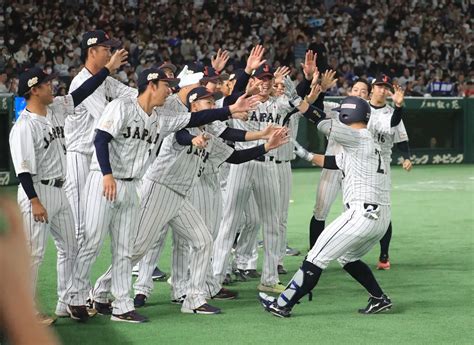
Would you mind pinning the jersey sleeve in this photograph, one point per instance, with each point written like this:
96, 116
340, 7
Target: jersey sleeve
116, 89
283, 104
63, 105
113, 118
173, 122
220, 151
400, 133
22, 148
340, 160
328, 109
216, 128
339, 132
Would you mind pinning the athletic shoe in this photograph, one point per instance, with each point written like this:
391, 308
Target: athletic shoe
78, 312
103, 308
260, 244
179, 300
131, 316
227, 280
282, 270
252, 273
46, 320
136, 270
376, 305
270, 305
158, 274
277, 288
292, 251
205, 309
384, 263
139, 300
240, 275
90, 308
225, 294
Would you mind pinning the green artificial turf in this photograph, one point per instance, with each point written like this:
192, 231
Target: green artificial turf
430, 283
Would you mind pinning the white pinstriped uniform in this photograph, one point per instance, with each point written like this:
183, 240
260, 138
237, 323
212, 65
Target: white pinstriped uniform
261, 178
37, 147
365, 181
136, 140
79, 133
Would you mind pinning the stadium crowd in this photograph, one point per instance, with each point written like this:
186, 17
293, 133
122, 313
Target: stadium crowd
425, 46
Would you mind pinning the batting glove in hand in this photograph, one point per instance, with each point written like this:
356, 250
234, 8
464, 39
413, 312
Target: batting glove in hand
301, 152
290, 92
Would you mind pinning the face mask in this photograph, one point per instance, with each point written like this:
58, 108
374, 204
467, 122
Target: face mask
70, 54
48, 70
142, 62
55, 83
11, 41
2, 42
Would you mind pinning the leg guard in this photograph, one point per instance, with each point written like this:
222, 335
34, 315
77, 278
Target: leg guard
304, 280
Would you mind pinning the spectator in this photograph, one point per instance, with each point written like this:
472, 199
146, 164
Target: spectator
3, 81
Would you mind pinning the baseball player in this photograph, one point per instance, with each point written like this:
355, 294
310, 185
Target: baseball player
79, 128
38, 154
360, 226
116, 205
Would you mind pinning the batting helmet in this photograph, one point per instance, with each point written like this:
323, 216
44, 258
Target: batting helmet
354, 109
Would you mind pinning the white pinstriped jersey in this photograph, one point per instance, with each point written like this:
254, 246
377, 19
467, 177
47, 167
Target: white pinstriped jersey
385, 135
37, 142
79, 128
365, 177
333, 147
137, 136
178, 167
286, 152
271, 111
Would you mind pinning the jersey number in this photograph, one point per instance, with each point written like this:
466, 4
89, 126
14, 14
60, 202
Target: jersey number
379, 169
381, 138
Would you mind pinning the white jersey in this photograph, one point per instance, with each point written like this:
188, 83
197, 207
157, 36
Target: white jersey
79, 128
365, 177
178, 167
286, 152
333, 147
37, 142
137, 136
385, 135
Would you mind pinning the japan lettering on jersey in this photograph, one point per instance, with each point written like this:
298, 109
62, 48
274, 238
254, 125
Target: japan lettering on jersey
177, 166
364, 172
37, 142
137, 136
79, 128
385, 135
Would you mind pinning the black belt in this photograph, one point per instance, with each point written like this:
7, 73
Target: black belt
53, 183
365, 205
263, 159
126, 179
279, 162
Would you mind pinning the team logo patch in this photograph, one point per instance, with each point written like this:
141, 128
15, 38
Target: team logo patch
25, 165
348, 106
33, 81
91, 41
107, 124
193, 97
152, 76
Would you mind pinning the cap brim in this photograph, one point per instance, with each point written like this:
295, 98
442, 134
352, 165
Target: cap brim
113, 43
381, 83
172, 82
216, 95
263, 75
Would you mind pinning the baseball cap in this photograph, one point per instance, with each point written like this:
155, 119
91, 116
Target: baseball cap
236, 74
31, 78
201, 93
353, 109
263, 71
383, 80
153, 74
211, 75
167, 65
96, 38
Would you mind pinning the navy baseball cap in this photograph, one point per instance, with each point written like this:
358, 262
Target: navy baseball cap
153, 74
211, 75
98, 38
353, 109
263, 71
195, 67
201, 93
383, 80
31, 78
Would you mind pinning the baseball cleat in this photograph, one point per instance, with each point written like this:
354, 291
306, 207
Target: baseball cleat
131, 317
292, 251
158, 274
139, 300
276, 288
270, 305
282, 270
179, 300
240, 275
252, 274
376, 305
225, 294
78, 312
90, 307
265, 299
103, 308
205, 309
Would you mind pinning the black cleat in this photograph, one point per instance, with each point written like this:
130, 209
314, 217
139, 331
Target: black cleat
270, 305
225, 294
131, 316
158, 274
139, 301
103, 308
281, 269
252, 274
240, 275
78, 312
179, 300
376, 305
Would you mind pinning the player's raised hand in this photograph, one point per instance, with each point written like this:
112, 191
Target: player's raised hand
328, 80
269, 130
244, 104
278, 138
39, 212
219, 61
254, 60
309, 65
118, 59
290, 92
200, 141
398, 95
407, 165
110, 187
314, 93
280, 73
254, 88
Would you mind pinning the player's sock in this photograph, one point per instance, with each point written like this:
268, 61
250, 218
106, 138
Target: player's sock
304, 280
316, 227
385, 243
362, 273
